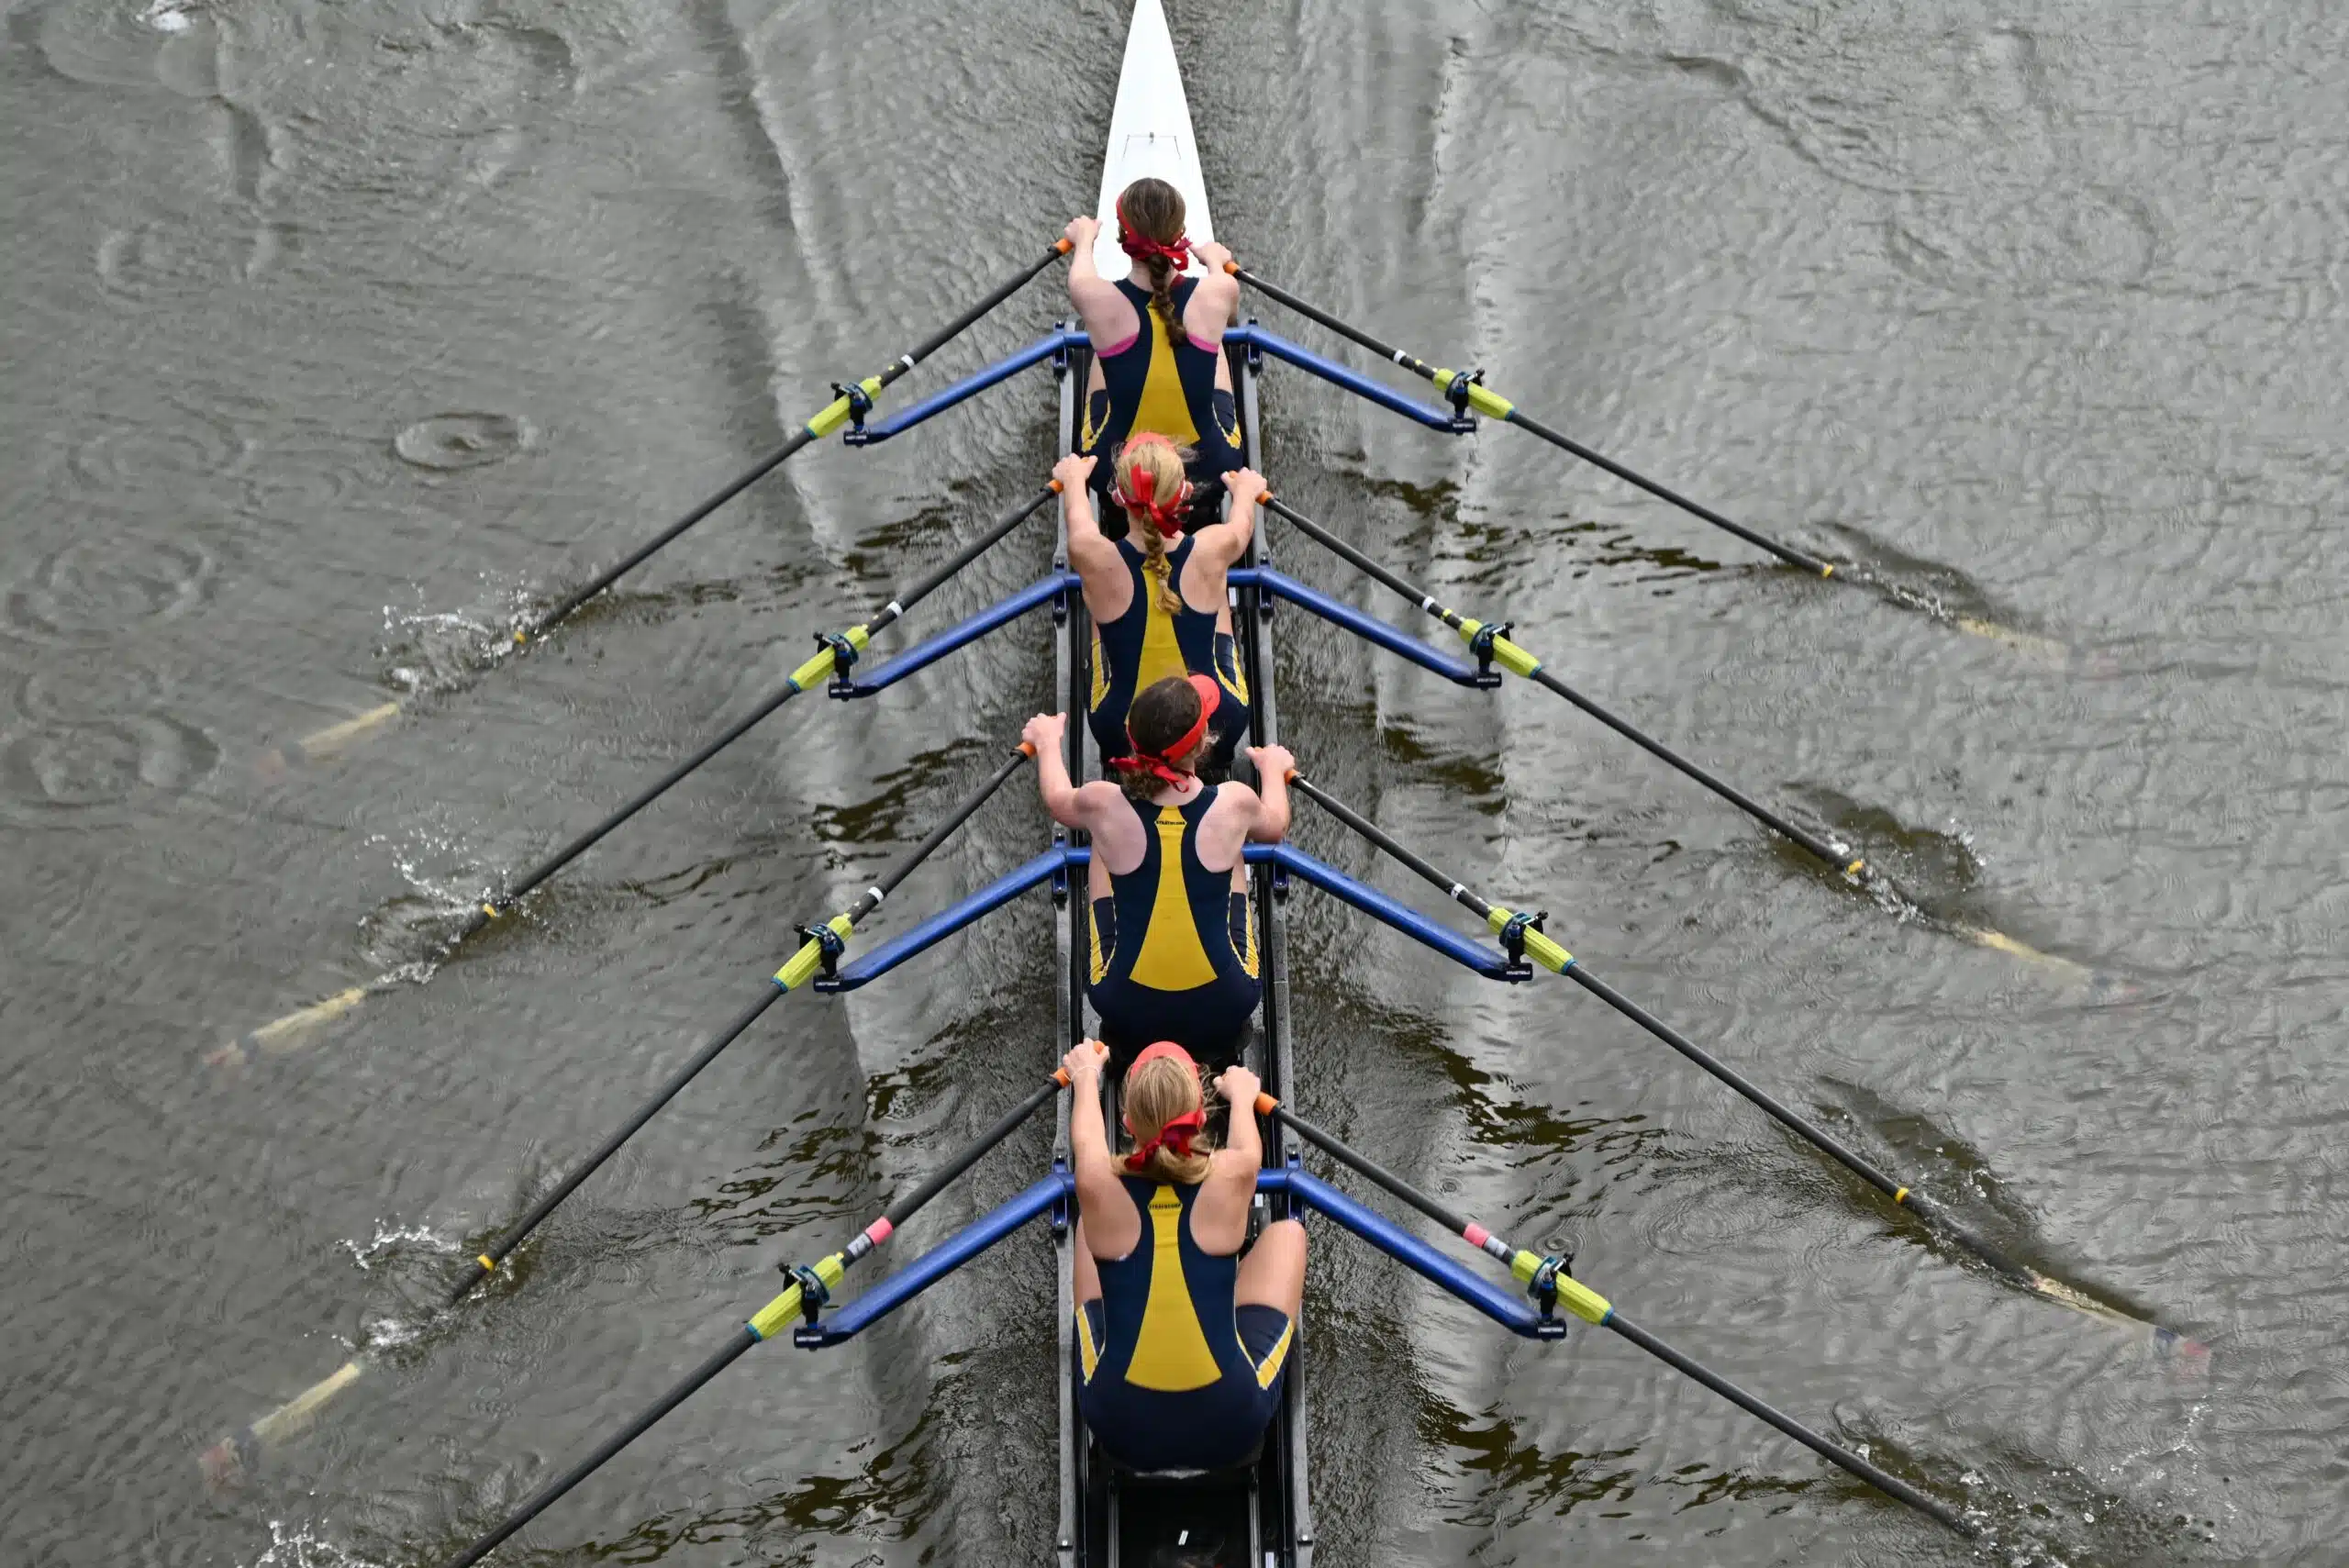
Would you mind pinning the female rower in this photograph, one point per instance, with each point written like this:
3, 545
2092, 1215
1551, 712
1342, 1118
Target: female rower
1181, 1343
1158, 361
1174, 938
1157, 596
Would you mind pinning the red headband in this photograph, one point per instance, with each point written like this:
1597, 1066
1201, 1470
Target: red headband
1176, 1137
1166, 515
1141, 247
1160, 765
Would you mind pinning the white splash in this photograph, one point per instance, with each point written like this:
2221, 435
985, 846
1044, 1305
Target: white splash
166, 16
387, 1237
303, 1548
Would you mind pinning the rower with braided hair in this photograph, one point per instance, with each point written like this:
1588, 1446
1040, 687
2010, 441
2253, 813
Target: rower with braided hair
1157, 334
1157, 597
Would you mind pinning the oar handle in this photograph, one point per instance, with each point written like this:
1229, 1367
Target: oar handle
1266, 1104
1060, 1074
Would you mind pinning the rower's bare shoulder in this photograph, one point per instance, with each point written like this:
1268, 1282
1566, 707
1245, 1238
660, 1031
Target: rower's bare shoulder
1099, 795
1235, 799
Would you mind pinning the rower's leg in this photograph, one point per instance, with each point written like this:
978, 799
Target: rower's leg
1273, 1274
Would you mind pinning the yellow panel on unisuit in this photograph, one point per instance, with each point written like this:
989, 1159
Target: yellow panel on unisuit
1170, 1353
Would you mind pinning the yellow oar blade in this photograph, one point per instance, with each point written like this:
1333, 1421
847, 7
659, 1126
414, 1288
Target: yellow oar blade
1999, 941
285, 1034
228, 1462
2044, 649
323, 745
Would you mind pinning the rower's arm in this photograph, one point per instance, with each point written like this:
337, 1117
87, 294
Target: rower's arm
1107, 319
1272, 797
1225, 542
1111, 1226
1061, 803
1089, 551
1220, 1214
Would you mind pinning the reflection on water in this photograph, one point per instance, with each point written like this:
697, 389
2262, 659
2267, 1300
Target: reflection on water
350, 336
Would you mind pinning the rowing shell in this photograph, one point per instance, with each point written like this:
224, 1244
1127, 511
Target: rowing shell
1257, 1513
1149, 134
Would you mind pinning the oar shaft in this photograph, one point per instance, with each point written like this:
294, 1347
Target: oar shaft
1012, 284
897, 873
1315, 314
825, 421
801, 965
1834, 1454
904, 600
1011, 517
1492, 404
1575, 971
1599, 459
1331, 1145
546, 1497
1467, 898
768, 996
650, 793
1810, 843
1793, 1122
569, 606
906, 1207
1358, 560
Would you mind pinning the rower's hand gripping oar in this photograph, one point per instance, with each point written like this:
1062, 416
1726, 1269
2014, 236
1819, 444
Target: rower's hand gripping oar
1466, 390
851, 403
1521, 935
811, 1287
239, 1450
1491, 645
835, 654
1551, 1284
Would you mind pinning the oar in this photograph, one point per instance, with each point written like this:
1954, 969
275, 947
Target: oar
826, 419
816, 669
772, 1319
232, 1453
1491, 642
1466, 390
1592, 1307
1460, 386
1523, 932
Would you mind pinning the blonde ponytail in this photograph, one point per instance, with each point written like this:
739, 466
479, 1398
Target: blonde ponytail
1163, 464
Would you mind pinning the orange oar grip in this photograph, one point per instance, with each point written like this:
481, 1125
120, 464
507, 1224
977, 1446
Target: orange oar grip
1289, 777
1054, 486
1026, 749
1233, 268
1264, 1104
1060, 1074
1064, 245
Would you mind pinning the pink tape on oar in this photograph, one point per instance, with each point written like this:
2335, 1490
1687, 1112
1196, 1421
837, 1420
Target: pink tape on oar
1476, 1234
880, 1230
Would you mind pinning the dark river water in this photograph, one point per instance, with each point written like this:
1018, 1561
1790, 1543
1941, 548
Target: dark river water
336, 335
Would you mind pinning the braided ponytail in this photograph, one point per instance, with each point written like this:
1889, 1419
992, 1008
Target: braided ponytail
1162, 294
1151, 210
1163, 464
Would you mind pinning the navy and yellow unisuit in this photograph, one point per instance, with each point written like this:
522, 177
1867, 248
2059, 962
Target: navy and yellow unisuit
1172, 1375
1146, 645
1164, 383
1174, 945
